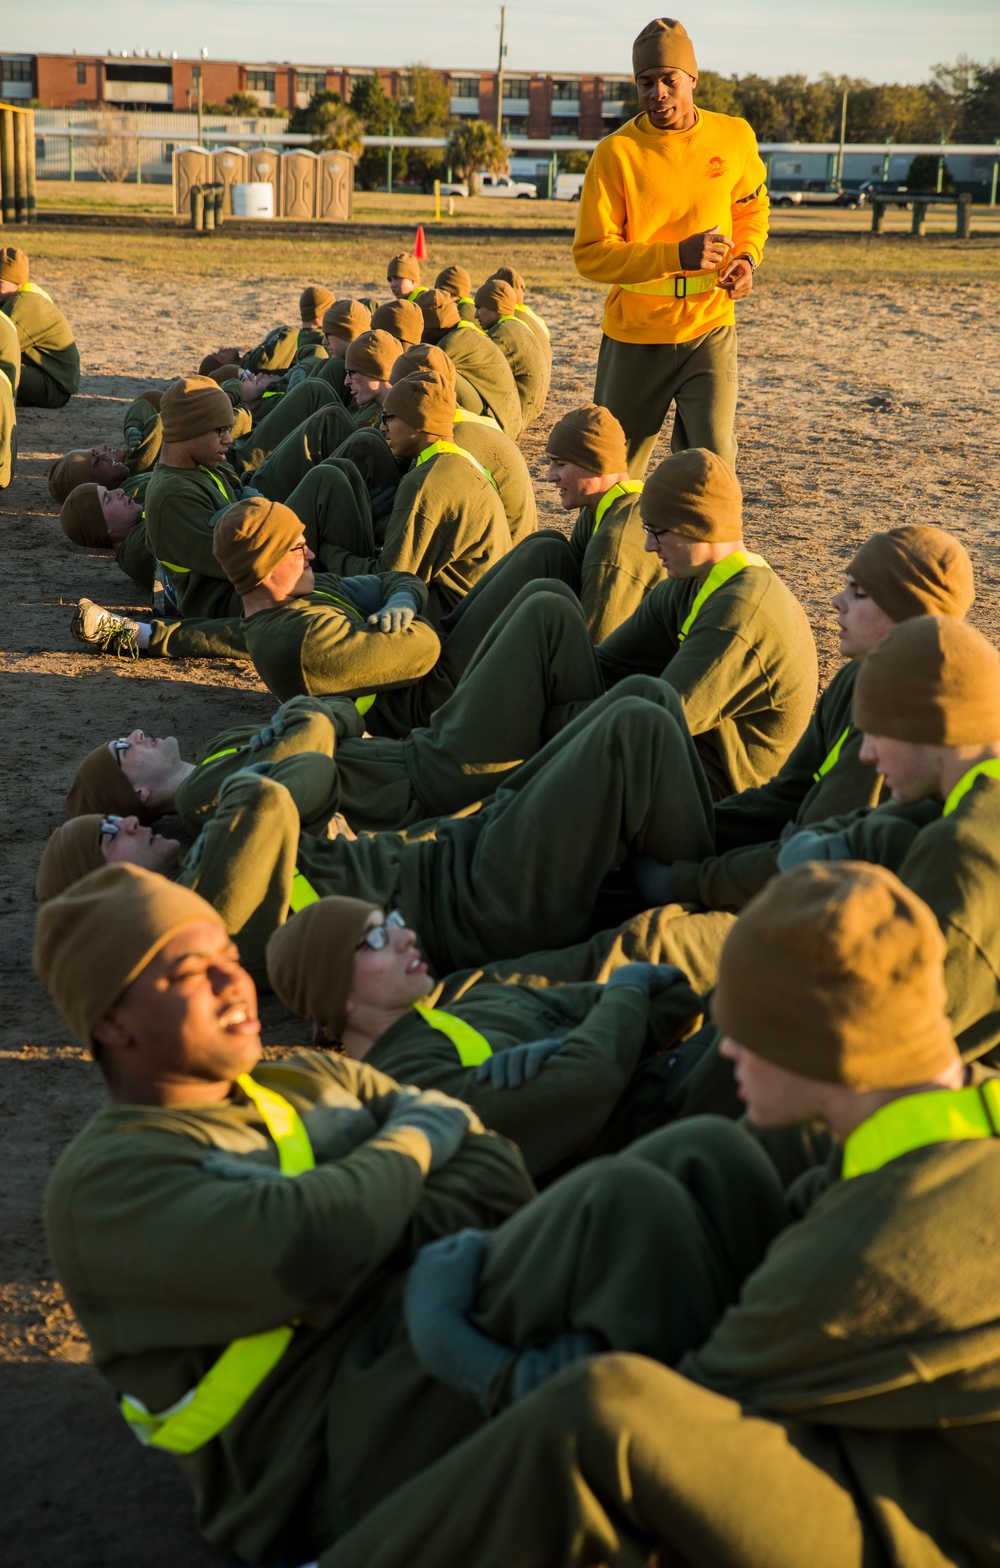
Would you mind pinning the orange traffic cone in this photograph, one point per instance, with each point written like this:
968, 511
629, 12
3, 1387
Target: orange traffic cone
420, 251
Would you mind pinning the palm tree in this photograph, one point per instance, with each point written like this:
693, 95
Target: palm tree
336, 128
474, 146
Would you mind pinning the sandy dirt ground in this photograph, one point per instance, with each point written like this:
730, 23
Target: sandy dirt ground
862, 407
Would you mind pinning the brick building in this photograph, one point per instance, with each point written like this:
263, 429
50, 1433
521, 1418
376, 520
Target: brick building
535, 104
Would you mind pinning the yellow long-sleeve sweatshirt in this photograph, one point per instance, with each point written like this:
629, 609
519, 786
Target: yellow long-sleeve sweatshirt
644, 192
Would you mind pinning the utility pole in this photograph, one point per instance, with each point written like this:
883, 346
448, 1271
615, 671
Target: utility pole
201, 133
843, 138
503, 51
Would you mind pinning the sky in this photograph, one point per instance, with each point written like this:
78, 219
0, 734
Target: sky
891, 40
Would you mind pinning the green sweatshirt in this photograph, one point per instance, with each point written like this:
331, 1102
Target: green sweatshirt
484, 367
319, 644
173, 1235
275, 353
746, 672
143, 436
182, 505
447, 527
519, 346
749, 825
502, 458
45, 336
10, 351
616, 570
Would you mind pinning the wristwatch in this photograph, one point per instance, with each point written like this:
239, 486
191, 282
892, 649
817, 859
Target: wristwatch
745, 257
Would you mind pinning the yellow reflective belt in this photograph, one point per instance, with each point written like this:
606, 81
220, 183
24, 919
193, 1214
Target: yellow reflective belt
627, 487
463, 417
676, 287
917, 1120
721, 572
472, 1047
32, 288
230, 751
832, 757
526, 310
220, 1395
990, 770
361, 703
459, 451
302, 893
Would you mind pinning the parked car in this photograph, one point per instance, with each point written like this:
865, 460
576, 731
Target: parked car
815, 194
568, 187
454, 188
888, 188
505, 185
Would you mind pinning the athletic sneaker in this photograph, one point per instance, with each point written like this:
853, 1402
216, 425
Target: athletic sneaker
110, 633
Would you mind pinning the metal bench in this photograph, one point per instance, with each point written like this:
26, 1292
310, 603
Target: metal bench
920, 203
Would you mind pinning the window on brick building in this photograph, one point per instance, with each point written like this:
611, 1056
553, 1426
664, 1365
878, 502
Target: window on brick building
309, 81
464, 87
81, 72
16, 70
566, 91
260, 81
516, 86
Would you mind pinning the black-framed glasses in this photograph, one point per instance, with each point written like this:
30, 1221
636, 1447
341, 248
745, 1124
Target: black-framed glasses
108, 828
119, 748
383, 421
655, 533
300, 549
378, 937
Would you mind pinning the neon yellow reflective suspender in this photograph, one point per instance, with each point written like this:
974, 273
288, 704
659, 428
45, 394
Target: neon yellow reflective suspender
302, 893
722, 571
221, 1394
832, 757
458, 451
917, 1120
472, 1047
526, 310
474, 325
361, 703
990, 770
229, 751
32, 288
186, 570
464, 417
627, 487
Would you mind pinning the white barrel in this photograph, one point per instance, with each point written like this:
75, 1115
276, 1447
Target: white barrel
253, 200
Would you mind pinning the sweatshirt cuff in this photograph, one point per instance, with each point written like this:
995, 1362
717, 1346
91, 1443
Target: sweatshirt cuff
685, 877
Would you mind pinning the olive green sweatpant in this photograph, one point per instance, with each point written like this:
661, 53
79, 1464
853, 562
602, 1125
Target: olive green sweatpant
621, 1462
287, 413
37, 390
310, 443
639, 381
369, 452
197, 640
543, 557
8, 432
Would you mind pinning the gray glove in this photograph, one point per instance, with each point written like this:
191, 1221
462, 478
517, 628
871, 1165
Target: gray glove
443, 1121
650, 979
652, 878
395, 615
270, 733
807, 845
510, 1069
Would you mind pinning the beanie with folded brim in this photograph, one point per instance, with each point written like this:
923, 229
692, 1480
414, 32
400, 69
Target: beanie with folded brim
496, 295
404, 265
81, 518
403, 318
250, 539
915, 570
192, 406
347, 319
100, 785
73, 849
422, 356
426, 401
151, 395
934, 681
455, 281
314, 301
310, 960
663, 45
438, 309
513, 277
74, 468
836, 972
96, 937
373, 354
224, 374
590, 437
209, 363
695, 494
14, 265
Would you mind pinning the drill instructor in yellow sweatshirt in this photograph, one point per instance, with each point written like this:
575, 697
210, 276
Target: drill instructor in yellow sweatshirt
673, 216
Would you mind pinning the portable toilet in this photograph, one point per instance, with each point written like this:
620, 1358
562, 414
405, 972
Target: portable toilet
191, 166
263, 167
298, 183
229, 169
335, 186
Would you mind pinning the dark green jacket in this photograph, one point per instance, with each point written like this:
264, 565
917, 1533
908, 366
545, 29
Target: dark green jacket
482, 364
501, 457
182, 507
519, 346
143, 436
45, 336
616, 570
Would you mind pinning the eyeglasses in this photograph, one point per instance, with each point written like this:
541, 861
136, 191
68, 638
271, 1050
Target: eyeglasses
383, 421
655, 533
108, 828
301, 548
119, 748
378, 937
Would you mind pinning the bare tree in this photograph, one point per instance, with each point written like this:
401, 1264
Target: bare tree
112, 151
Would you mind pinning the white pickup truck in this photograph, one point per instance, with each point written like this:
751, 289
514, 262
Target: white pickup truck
816, 194
493, 185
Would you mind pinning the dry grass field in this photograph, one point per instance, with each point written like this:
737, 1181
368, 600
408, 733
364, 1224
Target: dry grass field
870, 396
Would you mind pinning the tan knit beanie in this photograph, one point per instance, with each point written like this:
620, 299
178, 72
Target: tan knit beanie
373, 354
422, 355
438, 309
403, 318
13, 265
75, 468
454, 281
250, 539
426, 401
81, 518
209, 363
192, 406
94, 940
99, 784
934, 681
314, 300
404, 265
223, 374
497, 295
836, 971
347, 318
151, 395
310, 960
73, 849
663, 43
591, 437
915, 570
513, 277
696, 494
